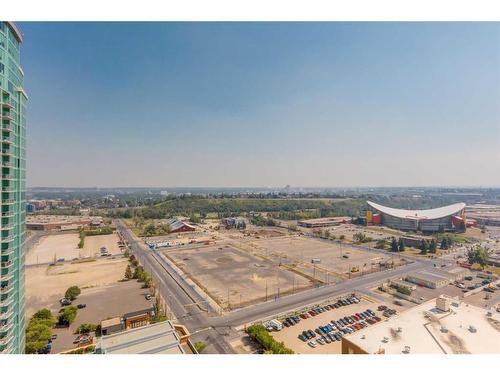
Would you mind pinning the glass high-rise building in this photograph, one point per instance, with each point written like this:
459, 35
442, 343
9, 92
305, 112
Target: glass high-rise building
13, 195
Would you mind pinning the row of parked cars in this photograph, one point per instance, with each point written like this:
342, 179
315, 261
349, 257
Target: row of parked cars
335, 329
387, 312
292, 320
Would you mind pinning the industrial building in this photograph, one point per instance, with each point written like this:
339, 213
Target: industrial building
59, 222
159, 338
437, 278
443, 219
443, 325
324, 222
13, 100
178, 226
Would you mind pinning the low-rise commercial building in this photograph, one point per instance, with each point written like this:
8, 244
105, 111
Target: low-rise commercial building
159, 338
324, 222
437, 278
59, 222
439, 326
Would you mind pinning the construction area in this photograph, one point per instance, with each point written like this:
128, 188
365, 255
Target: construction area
234, 278
64, 247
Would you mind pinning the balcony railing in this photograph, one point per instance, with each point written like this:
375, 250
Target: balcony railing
8, 201
8, 226
8, 214
6, 290
6, 240
7, 302
5, 328
6, 340
7, 116
8, 140
8, 103
8, 177
7, 152
6, 315
7, 164
7, 127
7, 189
8, 251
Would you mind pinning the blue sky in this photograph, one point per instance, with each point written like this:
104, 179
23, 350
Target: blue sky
256, 104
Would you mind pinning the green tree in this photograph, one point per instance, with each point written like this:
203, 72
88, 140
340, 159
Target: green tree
342, 237
424, 246
38, 333
138, 273
200, 346
401, 244
86, 328
43, 314
72, 292
67, 316
128, 272
433, 246
477, 254
381, 244
394, 245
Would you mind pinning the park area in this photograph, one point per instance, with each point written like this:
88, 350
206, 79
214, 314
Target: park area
64, 247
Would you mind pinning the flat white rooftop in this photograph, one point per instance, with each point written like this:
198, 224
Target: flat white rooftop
433, 213
159, 338
421, 328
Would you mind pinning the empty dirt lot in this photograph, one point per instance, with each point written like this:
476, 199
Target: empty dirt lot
65, 246
45, 285
336, 259
224, 271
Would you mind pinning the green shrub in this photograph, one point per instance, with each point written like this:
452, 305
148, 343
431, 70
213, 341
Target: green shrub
39, 331
200, 346
259, 333
86, 328
67, 316
72, 292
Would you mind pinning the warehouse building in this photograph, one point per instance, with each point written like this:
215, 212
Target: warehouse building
440, 326
324, 222
437, 278
178, 226
447, 219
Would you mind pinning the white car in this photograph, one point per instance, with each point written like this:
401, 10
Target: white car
312, 344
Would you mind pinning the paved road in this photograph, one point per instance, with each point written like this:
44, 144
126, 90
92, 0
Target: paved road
188, 307
177, 294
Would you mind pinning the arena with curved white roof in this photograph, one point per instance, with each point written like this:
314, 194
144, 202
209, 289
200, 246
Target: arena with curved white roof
447, 218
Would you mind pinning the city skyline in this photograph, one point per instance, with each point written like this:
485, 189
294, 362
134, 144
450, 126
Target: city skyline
262, 104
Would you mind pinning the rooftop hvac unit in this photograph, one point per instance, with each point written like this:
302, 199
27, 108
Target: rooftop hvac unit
385, 340
400, 329
406, 350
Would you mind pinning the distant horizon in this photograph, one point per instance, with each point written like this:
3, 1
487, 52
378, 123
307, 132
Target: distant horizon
262, 104
274, 187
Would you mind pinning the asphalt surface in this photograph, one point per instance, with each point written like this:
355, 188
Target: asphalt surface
179, 296
190, 309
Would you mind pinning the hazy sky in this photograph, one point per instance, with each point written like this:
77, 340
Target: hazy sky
253, 104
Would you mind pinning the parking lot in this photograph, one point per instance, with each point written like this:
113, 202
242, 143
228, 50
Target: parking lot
46, 284
101, 303
290, 335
